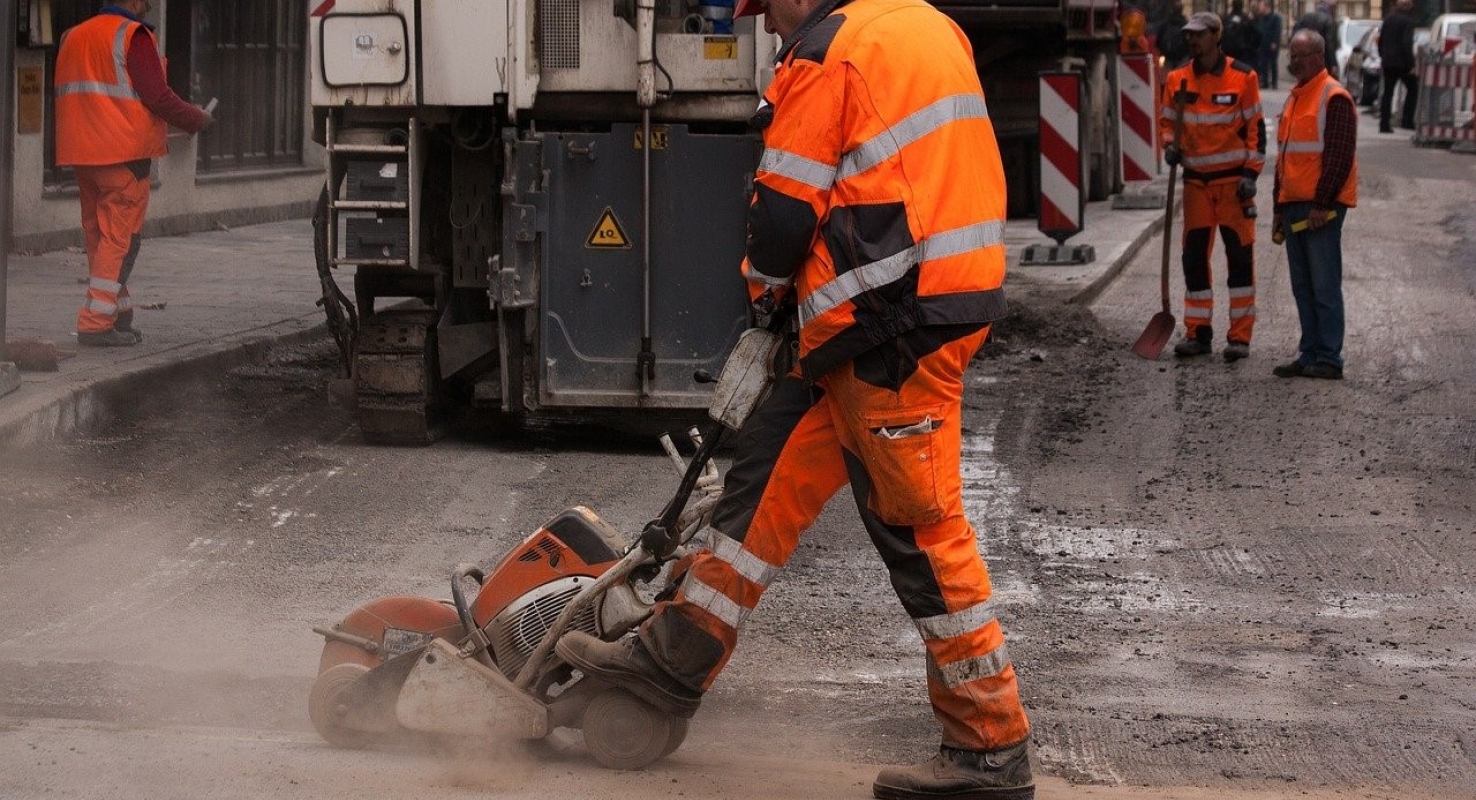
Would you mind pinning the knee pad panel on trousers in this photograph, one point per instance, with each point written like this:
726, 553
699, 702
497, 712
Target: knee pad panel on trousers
686, 650
1239, 258
1197, 245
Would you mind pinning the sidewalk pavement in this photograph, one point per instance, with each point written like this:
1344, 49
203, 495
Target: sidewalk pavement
210, 301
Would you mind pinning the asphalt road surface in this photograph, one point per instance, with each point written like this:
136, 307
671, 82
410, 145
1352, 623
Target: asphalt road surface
1215, 582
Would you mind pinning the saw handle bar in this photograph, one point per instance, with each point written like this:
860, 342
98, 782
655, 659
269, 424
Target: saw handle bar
690, 522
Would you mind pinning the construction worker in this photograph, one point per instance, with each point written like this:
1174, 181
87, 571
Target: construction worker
1316, 184
878, 211
112, 104
1216, 100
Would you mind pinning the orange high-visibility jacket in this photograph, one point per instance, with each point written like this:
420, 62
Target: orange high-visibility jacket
1299, 139
99, 117
1224, 128
880, 197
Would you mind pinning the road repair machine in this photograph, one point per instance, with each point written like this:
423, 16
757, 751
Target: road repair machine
543, 202
485, 669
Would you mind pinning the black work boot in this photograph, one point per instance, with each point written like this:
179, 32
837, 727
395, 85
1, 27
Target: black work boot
1197, 346
626, 663
1002, 774
113, 338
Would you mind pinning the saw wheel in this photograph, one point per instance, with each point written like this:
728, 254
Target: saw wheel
622, 732
397, 384
329, 712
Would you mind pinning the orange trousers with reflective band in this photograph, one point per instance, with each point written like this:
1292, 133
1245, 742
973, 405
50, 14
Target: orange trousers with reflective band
1207, 207
114, 202
899, 448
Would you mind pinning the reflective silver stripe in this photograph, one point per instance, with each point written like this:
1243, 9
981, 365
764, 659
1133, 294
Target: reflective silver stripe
767, 280
972, 669
1247, 311
716, 603
1170, 113
1197, 313
1252, 112
913, 127
1221, 118
1243, 291
1207, 294
796, 167
880, 273
947, 626
1227, 157
121, 87
105, 285
730, 552
101, 306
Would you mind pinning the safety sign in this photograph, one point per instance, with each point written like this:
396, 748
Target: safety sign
607, 233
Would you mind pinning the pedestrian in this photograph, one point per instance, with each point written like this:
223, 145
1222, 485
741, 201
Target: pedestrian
1316, 184
1397, 57
879, 209
1242, 39
112, 106
1323, 19
1169, 36
1222, 149
1268, 58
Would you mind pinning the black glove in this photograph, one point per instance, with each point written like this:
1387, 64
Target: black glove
1172, 155
1247, 189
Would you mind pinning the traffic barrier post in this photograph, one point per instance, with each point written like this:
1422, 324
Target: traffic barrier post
1443, 114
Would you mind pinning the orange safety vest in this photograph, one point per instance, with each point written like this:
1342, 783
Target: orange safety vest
880, 197
1223, 122
1300, 141
99, 117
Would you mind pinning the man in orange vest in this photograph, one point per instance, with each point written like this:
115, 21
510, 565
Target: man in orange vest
1316, 184
878, 212
1216, 103
112, 105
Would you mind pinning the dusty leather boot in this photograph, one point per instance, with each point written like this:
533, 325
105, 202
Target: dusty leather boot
1002, 774
625, 663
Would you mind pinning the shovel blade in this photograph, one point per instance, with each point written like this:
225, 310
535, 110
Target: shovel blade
1155, 336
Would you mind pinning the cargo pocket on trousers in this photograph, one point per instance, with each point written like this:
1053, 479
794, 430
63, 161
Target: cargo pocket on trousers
900, 450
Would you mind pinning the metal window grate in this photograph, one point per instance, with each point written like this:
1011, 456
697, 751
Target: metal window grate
250, 55
558, 34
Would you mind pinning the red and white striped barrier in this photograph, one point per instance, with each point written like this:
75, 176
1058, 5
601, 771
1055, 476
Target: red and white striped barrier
1135, 128
1062, 169
1447, 94
1062, 199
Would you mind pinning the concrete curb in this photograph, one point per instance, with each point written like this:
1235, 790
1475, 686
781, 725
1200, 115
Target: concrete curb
49, 415
1094, 289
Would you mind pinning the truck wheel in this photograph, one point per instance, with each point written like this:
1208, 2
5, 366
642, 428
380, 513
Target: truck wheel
623, 732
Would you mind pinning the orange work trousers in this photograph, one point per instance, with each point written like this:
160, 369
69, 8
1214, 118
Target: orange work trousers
114, 202
1208, 206
888, 424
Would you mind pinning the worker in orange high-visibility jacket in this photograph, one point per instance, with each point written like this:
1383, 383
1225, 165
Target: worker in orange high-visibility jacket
1222, 150
878, 212
112, 105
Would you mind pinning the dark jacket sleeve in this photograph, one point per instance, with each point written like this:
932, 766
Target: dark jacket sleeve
146, 72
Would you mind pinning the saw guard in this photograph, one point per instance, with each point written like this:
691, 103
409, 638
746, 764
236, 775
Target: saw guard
449, 695
746, 377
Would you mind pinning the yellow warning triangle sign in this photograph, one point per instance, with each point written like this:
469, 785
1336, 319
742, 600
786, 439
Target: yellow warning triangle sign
607, 233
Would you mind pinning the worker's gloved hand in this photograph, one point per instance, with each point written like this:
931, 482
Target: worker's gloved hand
1247, 189
1172, 155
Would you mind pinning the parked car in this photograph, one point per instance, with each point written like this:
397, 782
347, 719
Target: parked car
1363, 74
1349, 32
1453, 37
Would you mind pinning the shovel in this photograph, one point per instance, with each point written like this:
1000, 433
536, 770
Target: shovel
1161, 327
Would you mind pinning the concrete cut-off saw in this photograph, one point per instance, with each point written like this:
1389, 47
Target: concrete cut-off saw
485, 668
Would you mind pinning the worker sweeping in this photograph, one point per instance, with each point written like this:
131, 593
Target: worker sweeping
879, 210
112, 106
1222, 150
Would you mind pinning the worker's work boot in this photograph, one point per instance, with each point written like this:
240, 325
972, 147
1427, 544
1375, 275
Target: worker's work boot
1199, 345
1234, 351
113, 338
626, 663
961, 775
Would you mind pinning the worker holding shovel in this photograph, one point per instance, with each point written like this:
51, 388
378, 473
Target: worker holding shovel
1222, 147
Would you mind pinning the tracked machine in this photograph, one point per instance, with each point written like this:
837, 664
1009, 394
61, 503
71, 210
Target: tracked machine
541, 202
